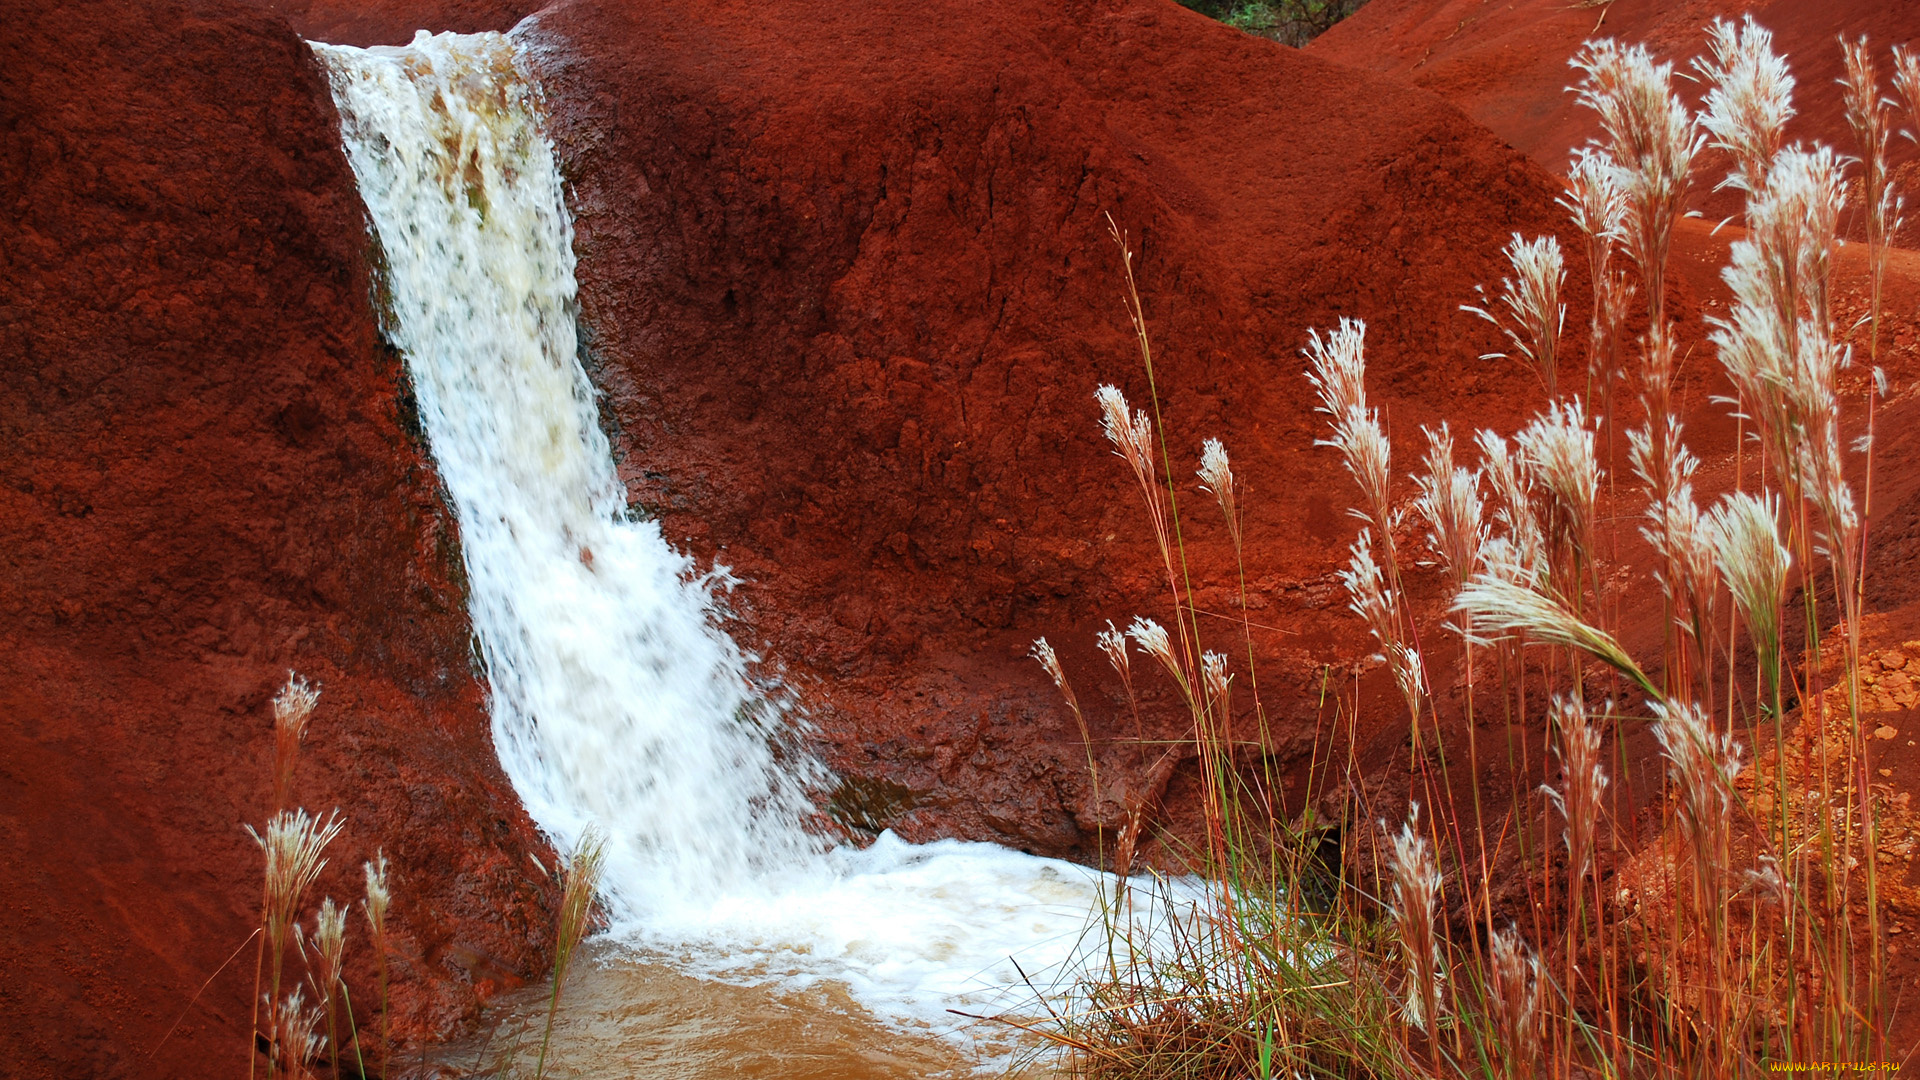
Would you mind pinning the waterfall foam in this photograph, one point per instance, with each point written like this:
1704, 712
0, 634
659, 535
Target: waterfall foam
616, 700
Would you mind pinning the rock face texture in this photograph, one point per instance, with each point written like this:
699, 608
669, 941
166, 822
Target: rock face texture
849, 290
209, 478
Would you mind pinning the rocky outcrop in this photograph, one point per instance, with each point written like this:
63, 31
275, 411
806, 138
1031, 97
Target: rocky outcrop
849, 290
210, 477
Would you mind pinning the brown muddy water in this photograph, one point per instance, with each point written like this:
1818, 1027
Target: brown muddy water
625, 1016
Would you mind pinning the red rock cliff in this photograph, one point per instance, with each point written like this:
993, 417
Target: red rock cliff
210, 478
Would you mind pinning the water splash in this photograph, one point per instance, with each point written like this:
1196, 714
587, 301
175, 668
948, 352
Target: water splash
616, 700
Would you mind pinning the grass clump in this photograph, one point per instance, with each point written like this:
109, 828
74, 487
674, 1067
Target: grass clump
1745, 930
580, 878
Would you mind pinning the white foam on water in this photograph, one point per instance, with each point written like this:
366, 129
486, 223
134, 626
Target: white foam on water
616, 700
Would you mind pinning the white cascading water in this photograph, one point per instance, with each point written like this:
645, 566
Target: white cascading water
616, 700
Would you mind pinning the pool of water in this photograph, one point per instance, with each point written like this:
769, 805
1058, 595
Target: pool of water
625, 1015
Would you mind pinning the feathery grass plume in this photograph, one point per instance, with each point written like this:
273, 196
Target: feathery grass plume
1799, 215
1151, 638
1216, 477
1753, 561
1131, 433
1867, 116
1513, 987
1531, 298
1042, 652
1749, 99
1213, 676
1557, 451
292, 708
1598, 207
580, 876
1679, 532
1449, 502
293, 844
1415, 891
1515, 507
1776, 339
1906, 80
1501, 607
1370, 598
1822, 463
379, 897
330, 946
1612, 303
1582, 784
1594, 198
1650, 136
1768, 883
1376, 601
1702, 764
1114, 644
295, 1040
1777, 342
1337, 369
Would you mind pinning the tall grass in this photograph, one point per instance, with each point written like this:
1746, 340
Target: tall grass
294, 844
1745, 930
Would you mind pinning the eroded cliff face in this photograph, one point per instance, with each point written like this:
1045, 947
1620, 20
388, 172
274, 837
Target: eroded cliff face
210, 477
849, 291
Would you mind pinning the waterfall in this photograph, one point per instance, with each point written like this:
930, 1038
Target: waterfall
616, 699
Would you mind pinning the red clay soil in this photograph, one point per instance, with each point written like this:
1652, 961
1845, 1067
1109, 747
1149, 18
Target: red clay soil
849, 291
210, 478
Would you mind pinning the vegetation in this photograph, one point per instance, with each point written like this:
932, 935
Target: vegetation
1746, 930
581, 877
294, 844
1291, 22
